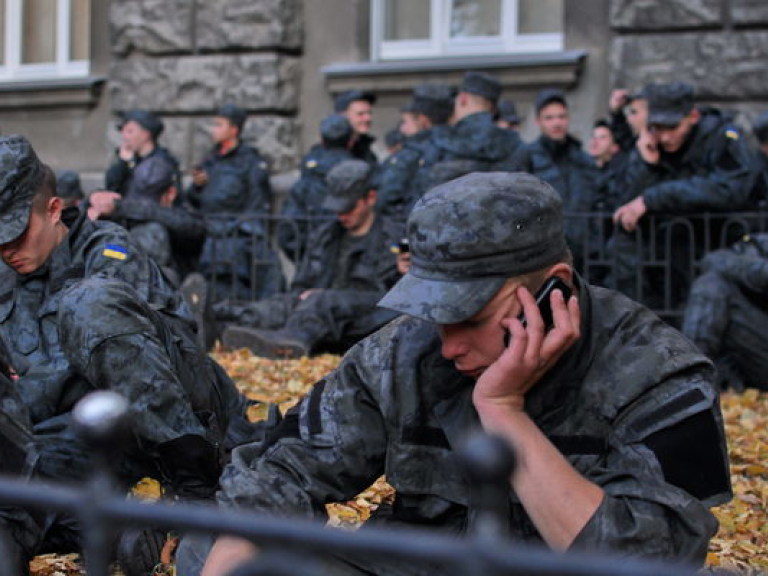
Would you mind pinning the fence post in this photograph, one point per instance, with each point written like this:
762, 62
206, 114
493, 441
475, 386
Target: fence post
101, 419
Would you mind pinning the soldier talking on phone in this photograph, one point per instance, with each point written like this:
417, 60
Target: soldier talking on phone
612, 413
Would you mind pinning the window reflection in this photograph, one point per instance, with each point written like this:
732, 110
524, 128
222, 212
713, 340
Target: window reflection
39, 31
475, 18
407, 20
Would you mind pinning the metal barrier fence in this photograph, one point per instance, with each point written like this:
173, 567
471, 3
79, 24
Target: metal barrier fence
291, 547
655, 264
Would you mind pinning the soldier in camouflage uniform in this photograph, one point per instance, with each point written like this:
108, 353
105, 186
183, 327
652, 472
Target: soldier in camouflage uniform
759, 195
137, 154
357, 107
474, 142
558, 158
81, 309
727, 312
166, 228
233, 181
687, 160
304, 203
333, 297
612, 413
428, 112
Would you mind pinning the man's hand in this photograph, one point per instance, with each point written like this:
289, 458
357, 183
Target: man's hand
619, 98
307, 293
125, 153
228, 553
403, 262
102, 203
629, 215
648, 147
199, 177
531, 353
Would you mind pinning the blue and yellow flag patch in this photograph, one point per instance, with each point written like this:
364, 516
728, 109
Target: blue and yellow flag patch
115, 251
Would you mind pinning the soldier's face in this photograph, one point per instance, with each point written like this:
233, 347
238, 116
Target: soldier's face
223, 130
409, 123
134, 137
477, 342
32, 249
553, 121
357, 220
360, 116
671, 138
602, 146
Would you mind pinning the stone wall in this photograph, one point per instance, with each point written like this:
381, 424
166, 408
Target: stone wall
184, 58
719, 46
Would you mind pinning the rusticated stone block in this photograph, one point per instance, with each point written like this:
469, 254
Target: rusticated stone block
257, 82
665, 14
749, 11
151, 26
719, 65
223, 24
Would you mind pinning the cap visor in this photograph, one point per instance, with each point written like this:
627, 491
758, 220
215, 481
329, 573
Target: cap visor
14, 220
338, 205
666, 119
440, 301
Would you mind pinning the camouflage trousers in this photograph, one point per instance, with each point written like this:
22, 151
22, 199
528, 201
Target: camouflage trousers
329, 319
729, 325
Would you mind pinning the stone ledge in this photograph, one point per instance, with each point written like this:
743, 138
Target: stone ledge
66, 93
560, 69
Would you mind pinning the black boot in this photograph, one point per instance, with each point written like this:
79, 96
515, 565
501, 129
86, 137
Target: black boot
277, 344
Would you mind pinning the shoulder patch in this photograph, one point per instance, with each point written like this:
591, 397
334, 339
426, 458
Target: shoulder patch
732, 134
115, 251
311, 164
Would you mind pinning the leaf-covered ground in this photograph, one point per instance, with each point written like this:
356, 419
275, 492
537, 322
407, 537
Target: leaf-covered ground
740, 545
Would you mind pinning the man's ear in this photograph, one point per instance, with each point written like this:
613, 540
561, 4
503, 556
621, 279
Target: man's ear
54, 208
371, 197
694, 116
563, 271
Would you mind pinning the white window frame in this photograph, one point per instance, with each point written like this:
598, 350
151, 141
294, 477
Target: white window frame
14, 70
440, 44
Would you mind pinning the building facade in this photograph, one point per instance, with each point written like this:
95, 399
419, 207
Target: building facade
69, 67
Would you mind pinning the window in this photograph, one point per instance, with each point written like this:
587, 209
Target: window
44, 39
433, 28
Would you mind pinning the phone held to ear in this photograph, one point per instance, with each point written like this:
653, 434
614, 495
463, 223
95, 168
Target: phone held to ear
544, 302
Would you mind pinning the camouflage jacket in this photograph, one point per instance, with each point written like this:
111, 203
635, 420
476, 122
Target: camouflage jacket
238, 182
369, 266
631, 406
712, 171
30, 309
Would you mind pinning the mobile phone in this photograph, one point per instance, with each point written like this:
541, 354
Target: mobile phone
543, 301
404, 246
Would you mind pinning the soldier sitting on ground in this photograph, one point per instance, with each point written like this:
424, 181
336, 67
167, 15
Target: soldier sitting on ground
83, 308
68, 188
165, 227
727, 312
613, 414
346, 270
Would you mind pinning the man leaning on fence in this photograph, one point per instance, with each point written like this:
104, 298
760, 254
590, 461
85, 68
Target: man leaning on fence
612, 413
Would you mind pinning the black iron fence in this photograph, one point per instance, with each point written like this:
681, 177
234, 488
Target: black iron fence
249, 256
291, 547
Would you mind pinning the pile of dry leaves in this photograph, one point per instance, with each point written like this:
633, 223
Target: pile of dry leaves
741, 544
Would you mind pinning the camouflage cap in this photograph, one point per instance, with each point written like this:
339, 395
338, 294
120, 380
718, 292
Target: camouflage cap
435, 101
236, 115
335, 129
152, 178
21, 174
547, 96
508, 111
481, 84
669, 103
347, 182
145, 119
469, 235
68, 185
344, 99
